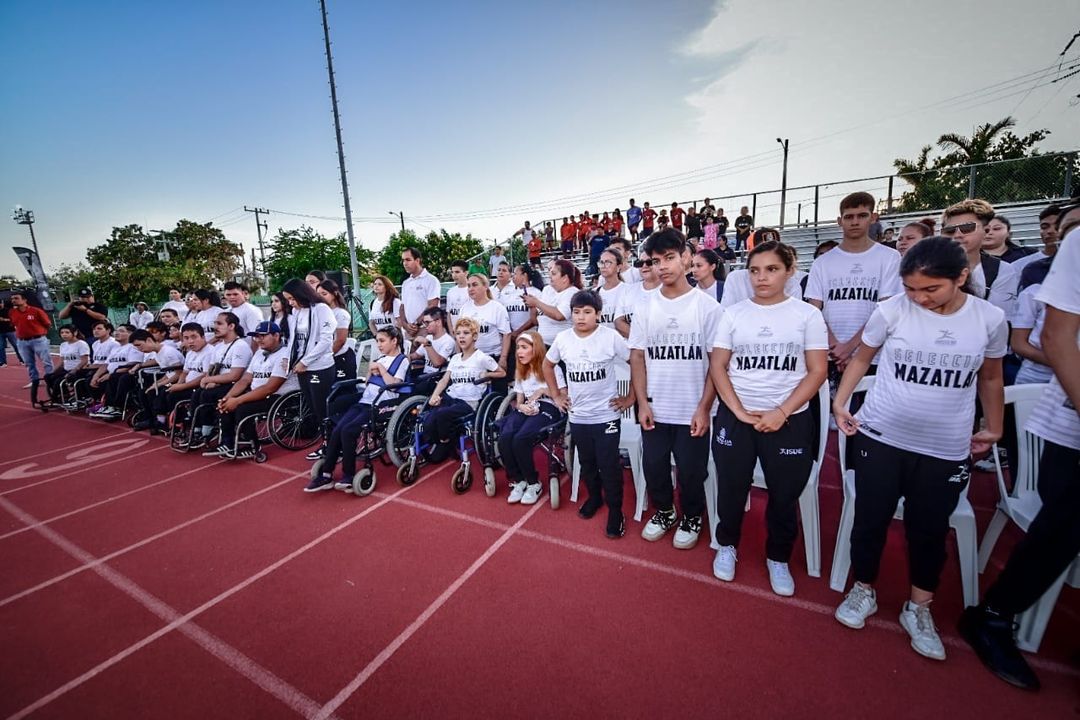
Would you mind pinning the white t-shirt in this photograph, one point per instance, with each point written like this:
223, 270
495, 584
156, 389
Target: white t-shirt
1030, 315
590, 372
380, 319
140, 319
445, 346
250, 316
494, 323
464, 371
417, 291
737, 287
456, 297
636, 296
179, 306
768, 345
344, 321
229, 355
265, 365
547, 327
316, 350
103, 350
1019, 264
496, 260
849, 285
372, 389
126, 354
923, 399
1004, 290
531, 384
166, 357
196, 364
676, 337
1055, 418
206, 318
612, 302
514, 302
631, 275
72, 352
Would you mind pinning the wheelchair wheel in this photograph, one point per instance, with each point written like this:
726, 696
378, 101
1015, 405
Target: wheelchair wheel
407, 473
461, 480
553, 486
400, 430
135, 418
178, 431
364, 482
489, 482
486, 434
316, 469
292, 424
259, 457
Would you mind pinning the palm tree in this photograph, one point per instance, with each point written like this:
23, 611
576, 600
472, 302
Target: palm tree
975, 149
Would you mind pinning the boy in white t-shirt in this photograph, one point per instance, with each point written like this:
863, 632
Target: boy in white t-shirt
457, 296
670, 340
161, 366
197, 362
589, 352
74, 358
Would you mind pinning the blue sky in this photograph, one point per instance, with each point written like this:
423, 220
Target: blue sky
119, 112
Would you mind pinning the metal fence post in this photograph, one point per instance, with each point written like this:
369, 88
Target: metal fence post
888, 203
1069, 160
971, 182
753, 210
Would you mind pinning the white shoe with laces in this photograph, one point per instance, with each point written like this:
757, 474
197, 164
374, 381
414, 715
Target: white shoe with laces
723, 565
859, 604
532, 494
780, 578
920, 626
516, 491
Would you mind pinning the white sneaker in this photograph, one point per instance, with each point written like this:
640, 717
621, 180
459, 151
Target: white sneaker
723, 565
532, 494
686, 535
658, 525
920, 626
780, 578
516, 491
859, 604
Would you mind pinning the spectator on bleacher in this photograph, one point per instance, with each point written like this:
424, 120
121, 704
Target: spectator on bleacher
722, 221
619, 224
497, 258
175, 303
988, 278
711, 233
553, 304
887, 238
677, 214
633, 218
598, 242
744, 224
314, 277
7, 335
648, 222
1052, 540
568, 235
694, 229
209, 304
723, 250
31, 332
140, 316
998, 241
419, 291
83, 312
236, 297
707, 207
279, 311
503, 281
912, 233
535, 248
927, 461
709, 271
344, 347
1048, 234
663, 222
311, 341
549, 234
476, 266
824, 247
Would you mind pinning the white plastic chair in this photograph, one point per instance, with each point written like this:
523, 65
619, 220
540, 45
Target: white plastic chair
962, 521
368, 348
809, 506
1021, 506
629, 440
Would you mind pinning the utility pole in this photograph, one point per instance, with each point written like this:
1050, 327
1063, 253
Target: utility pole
341, 153
260, 228
163, 253
783, 181
399, 214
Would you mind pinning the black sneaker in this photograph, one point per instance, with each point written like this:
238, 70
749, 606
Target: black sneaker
438, 453
141, 425
590, 506
323, 482
993, 639
317, 454
659, 524
245, 454
616, 524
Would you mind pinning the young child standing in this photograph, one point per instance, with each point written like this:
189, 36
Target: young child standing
589, 351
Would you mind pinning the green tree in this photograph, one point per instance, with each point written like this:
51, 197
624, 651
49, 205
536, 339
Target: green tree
128, 267
438, 248
10, 282
68, 279
296, 252
949, 178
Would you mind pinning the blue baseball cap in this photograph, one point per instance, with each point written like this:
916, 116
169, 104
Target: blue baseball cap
267, 327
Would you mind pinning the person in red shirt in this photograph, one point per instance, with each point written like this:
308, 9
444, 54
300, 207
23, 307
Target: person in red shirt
31, 333
607, 224
535, 246
585, 226
568, 234
617, 223
648, 221
677, 216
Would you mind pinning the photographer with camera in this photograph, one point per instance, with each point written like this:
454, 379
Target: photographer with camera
84, 313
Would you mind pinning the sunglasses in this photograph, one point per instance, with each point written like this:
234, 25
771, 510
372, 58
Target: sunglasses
643, 263
962, 228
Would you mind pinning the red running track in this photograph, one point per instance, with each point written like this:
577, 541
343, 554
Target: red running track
136, 582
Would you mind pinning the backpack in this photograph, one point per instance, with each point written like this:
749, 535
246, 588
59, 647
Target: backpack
990, 266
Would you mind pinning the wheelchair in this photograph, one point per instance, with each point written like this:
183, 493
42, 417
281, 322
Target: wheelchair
289, 424
554, 441
371, 444
75, 394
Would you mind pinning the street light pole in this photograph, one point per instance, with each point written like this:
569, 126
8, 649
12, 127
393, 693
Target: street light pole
26, 217
783, 181
400, 214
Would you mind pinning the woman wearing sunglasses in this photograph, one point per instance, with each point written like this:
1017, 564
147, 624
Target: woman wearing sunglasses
636, 295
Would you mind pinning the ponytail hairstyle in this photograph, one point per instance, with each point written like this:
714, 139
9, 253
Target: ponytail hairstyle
335, 292
486, 282
924, 226
784, 252
570, 270
304, 295
719, 268
535, 278
937, 257
232, 319
394, 334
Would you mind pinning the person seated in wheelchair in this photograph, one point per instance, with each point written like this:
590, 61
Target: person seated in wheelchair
197, 362
268, 376
101, 348
231, 356
74, 357
432, 348
161, 367
521, 429
386, 372
461, 385
115, 379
